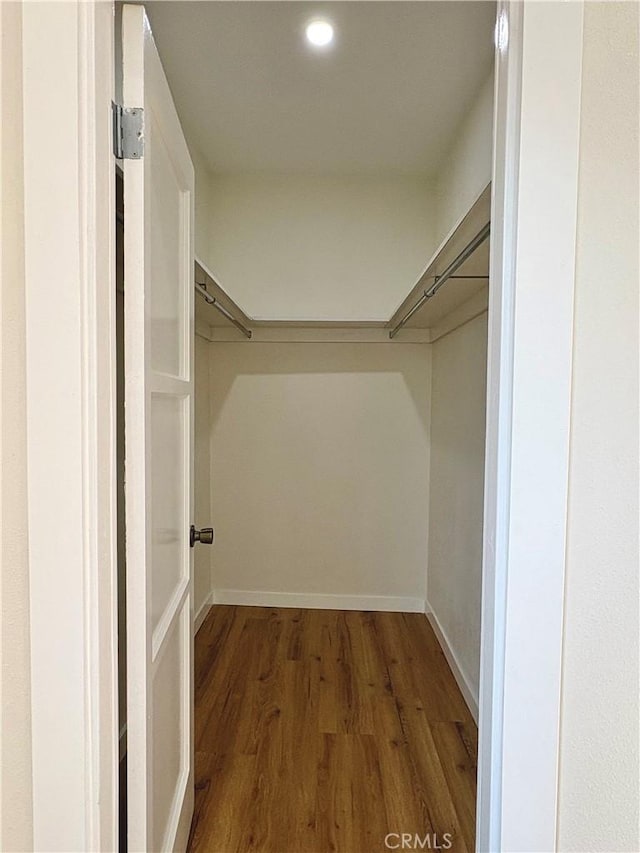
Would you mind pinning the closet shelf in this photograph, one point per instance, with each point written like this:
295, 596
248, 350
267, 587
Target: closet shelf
457, 273
220, 307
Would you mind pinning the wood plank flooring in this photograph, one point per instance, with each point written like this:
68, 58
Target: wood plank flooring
320, 730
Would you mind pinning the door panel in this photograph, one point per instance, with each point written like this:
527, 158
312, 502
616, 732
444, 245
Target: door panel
168, 498
169, 214
171, 758
158, 200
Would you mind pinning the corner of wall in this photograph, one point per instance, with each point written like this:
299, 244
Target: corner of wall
203, 185
463, 681
465, 170
210, 355
202, 451
428, 349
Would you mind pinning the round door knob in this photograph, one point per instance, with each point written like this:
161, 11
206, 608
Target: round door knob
204, 536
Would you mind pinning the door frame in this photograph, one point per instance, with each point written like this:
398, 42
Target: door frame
533, 250
71, 404
69, 232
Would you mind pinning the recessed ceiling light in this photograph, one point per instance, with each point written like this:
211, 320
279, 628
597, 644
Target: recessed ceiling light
319, 33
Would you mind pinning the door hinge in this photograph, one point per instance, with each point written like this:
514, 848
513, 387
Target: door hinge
128, 132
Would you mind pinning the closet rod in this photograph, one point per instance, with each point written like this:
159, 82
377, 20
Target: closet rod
202, 290
466, 253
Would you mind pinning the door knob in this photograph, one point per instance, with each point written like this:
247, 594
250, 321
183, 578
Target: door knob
204, 536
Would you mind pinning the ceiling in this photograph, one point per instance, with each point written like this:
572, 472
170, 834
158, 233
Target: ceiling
386, 98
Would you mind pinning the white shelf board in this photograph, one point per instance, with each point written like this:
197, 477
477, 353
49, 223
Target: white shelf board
456, 291
208, 315
453, 294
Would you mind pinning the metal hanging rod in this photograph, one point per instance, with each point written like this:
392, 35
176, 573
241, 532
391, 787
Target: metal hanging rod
448, 273
202, 290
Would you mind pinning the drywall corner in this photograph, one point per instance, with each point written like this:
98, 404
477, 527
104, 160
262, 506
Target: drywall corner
464, 682
202, 612
466, 169
203, 189
202, 458
429, 373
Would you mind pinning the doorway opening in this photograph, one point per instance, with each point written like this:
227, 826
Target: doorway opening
337, 358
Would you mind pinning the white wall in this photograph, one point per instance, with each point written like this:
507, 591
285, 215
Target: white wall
466, 170
202, 476
458, 405
336, 248
323, 248
320, 469
599, 764
202, 205
16, 823
344, 247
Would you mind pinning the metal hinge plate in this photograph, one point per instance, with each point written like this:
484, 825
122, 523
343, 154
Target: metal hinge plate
128, 132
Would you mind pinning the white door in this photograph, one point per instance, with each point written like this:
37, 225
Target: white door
158, 203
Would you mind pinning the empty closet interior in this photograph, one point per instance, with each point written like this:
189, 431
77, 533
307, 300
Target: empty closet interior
341, 276
342, 462
341, 287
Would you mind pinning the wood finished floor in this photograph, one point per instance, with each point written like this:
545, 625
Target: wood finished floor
321, 731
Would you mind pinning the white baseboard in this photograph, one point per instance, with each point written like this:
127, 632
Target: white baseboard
201, 615
459, 674
319, 601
